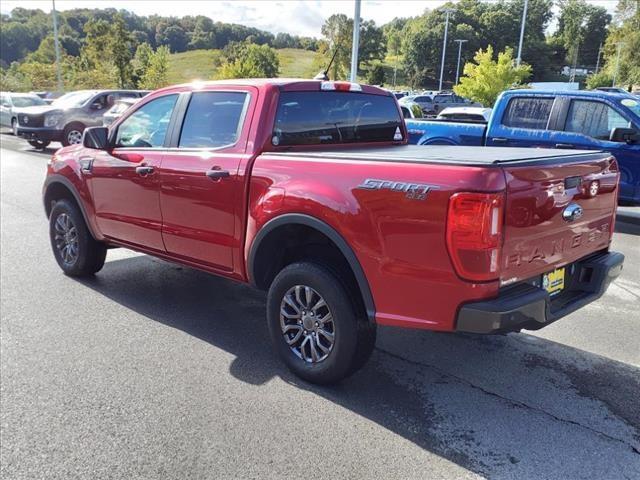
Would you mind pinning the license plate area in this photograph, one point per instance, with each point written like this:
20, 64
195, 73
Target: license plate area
554, 282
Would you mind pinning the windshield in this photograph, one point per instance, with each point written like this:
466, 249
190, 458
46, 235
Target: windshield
27, 101
632, 104
313, 118
73, 99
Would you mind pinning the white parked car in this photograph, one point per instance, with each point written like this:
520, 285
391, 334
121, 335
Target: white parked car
10, 101
465, 114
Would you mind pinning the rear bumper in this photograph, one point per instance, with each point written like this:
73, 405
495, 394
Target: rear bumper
40, 133
530, 307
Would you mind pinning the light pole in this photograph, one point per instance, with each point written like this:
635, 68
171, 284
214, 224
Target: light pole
524, 20
460, 42
615, 74
356, 43
598, 61
57, 46
447, 12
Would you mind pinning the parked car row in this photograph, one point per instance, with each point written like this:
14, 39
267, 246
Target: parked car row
66, 118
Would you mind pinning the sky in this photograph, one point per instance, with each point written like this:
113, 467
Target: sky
290, 16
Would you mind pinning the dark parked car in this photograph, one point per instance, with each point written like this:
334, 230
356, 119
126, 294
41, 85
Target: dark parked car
66, 118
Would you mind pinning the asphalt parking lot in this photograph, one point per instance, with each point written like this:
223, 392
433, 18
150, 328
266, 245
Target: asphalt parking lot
151, 370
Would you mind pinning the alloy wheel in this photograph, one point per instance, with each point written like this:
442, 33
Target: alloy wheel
307, 324
74, 137
66, 239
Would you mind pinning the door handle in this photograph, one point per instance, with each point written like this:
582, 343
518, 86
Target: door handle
564, 145
216, 174
144, 170
86, 164
499, 140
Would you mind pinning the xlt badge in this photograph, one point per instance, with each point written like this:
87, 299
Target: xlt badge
413, 191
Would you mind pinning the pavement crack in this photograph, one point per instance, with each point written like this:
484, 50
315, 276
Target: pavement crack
627, 290
514, 402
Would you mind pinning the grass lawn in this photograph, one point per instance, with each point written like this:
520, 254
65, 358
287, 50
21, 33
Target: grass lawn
202, 64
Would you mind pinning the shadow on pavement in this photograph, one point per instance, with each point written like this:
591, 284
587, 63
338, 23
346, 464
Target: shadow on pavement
426, 387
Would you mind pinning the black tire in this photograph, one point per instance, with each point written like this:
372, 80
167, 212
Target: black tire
89, 254
354, 337
14, 126
39, 144
72, 134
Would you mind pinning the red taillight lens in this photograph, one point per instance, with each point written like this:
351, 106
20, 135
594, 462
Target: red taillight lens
474, 234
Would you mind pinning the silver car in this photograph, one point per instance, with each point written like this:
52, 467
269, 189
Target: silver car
66, 118
10, 101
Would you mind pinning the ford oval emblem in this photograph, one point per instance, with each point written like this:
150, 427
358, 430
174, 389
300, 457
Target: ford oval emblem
572, 212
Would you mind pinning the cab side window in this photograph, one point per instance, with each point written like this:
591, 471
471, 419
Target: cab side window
148, 125
532, 113
213, 119
593, 119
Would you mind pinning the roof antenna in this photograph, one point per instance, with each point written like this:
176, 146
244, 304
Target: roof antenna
324, 75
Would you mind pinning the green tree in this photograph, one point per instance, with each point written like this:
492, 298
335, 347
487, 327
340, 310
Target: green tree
485, 79
250, 61
120, 47
141, 62
375, 76
156, 74
625, 37
600, 79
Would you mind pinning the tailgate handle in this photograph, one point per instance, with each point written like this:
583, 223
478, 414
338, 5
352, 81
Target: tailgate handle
564, 145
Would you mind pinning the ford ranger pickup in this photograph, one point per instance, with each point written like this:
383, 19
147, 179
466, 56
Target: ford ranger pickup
590, 120
308, 190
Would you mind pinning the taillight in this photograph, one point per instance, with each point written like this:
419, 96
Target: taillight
341, 86
474, 234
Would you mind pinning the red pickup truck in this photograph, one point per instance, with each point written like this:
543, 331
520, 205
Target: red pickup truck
307, 189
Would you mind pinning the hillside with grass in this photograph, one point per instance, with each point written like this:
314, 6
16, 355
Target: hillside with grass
203, 64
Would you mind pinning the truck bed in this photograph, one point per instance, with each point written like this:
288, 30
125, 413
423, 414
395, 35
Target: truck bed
452, 155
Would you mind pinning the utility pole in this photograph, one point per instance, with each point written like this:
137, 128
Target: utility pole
598, 61
356, 43
460, 42
524, 20
615, 74
447, 12
572, 77
57, 46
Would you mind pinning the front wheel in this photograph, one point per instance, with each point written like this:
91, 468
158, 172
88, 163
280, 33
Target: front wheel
76, 251
316, 328
72, 134
39, 144
14, 126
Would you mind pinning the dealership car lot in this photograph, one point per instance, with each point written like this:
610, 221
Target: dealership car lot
154, 370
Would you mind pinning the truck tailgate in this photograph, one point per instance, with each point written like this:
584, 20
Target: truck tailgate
556, 212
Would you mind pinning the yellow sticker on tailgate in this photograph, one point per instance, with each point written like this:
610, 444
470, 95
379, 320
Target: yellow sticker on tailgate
553, 282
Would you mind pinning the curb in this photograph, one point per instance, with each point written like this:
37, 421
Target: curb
628, 217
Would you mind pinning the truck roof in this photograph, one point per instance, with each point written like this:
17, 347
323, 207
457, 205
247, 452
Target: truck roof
448, 154
284, 83
572, 93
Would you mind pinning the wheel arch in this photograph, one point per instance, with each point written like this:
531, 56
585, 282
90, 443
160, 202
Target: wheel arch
57, 187
262, 254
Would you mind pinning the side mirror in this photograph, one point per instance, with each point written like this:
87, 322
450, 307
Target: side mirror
96, 106
624, 135
96, 138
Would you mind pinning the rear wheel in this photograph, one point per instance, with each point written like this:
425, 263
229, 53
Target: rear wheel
75, 250
39, 144
318, 331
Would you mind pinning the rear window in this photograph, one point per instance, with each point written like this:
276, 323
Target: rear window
315, 118
423, 99
532, 113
